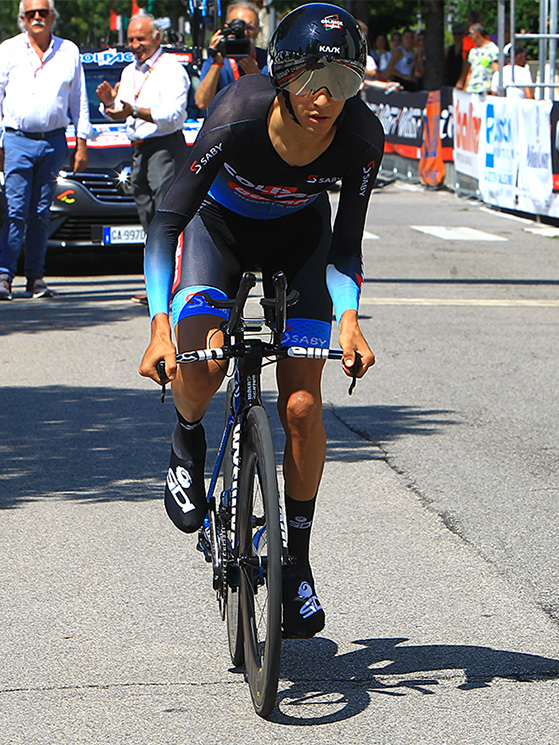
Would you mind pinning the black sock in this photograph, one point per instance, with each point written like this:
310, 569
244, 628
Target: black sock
299, 523
190, 434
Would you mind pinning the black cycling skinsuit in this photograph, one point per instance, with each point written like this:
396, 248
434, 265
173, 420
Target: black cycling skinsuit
247, 208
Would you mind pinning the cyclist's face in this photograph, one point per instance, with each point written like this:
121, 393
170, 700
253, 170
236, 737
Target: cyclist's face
316, 113
141, 40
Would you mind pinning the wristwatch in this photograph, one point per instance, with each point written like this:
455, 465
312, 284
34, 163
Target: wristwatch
135, 113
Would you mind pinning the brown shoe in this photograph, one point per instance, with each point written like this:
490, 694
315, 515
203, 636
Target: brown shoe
37, 288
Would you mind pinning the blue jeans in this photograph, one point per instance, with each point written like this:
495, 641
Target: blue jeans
30, 171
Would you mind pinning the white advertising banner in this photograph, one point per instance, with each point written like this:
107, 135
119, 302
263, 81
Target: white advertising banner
467, 114
535, 176
498, 158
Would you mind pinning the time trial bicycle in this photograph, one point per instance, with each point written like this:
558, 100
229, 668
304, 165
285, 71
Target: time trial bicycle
244, 536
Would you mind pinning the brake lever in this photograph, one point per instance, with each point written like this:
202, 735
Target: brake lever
163, 379
354, 369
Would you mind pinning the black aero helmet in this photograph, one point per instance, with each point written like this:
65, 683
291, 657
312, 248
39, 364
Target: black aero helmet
318, 46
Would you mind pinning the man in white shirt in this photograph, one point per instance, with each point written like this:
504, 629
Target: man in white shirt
151, 97
41, 78
521, 87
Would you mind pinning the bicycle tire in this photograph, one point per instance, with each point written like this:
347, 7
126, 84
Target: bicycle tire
233, 612
258, 507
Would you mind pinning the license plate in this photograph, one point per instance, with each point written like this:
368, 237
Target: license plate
124, 234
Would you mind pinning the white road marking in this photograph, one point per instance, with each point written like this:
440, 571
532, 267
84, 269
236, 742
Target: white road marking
488, 302
456, 233
369, 236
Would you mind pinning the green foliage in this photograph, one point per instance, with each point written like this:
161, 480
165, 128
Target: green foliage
87, 21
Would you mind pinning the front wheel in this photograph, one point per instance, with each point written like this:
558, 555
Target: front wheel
260, 548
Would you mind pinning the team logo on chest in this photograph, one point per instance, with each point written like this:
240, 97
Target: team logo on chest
243, 187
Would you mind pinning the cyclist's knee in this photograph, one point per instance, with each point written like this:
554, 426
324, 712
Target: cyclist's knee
299, 411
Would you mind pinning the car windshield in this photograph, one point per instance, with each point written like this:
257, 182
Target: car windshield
93, 77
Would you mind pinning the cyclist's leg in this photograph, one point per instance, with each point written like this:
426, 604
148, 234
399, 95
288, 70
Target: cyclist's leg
300, 410
200, 267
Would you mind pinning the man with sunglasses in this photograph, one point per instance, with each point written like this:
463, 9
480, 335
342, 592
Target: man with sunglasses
483, 61
41, 79
254, 195
219, 71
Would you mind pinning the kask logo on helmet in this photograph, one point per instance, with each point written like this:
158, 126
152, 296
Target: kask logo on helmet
332, 22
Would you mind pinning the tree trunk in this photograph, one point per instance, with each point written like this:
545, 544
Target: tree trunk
434, 44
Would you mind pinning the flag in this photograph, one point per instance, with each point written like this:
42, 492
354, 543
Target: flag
113, 18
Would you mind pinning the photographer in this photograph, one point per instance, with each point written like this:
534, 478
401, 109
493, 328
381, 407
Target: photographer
221, 69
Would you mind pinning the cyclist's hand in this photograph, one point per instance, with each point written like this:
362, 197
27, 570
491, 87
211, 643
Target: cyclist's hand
161, 347
352, 343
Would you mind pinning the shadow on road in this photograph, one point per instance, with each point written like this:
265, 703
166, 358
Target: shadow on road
103, 444
377, 425
78, 305
344, 684
94, 444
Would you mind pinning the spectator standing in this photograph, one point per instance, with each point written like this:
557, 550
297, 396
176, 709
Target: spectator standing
522, 75
151, 97
41, 79
483, 61
381, 52
219, 71
371, 69
453, 58
467, 45
401, 67
419, 69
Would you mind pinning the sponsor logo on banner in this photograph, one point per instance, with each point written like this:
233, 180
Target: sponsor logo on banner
467, 115
498, 156
536, 149
401, 116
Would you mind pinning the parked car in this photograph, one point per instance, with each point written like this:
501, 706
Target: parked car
95, 209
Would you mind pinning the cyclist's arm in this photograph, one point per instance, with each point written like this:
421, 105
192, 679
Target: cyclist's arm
175, 212
344, 274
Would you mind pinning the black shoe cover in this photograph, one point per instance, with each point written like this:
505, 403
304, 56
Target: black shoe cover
303, 616
185, 491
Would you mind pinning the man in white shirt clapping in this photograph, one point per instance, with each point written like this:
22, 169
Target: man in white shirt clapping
151, 97
41, 79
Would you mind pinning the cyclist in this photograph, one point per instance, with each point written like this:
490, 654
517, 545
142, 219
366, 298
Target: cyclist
253, 195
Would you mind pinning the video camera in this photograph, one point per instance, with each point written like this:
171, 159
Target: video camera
235, 44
